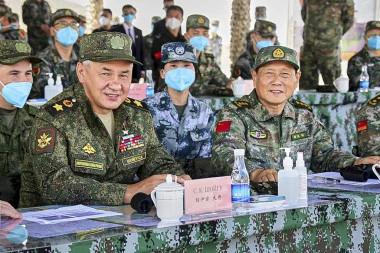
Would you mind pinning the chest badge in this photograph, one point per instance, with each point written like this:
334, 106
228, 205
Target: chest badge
89, 149
258, 135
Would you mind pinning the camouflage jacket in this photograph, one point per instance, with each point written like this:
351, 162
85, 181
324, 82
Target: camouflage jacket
368, 127
71, 158
244, 64
188, 137
354, 69
148, 41
13, 34
215, 47
208, 75
53, 63
247, 124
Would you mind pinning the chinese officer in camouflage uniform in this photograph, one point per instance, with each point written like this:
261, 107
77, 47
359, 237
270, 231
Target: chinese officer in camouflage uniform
148, 41
369, 55
183, 123
210, 80
216, 42
265, 121
36, 15
325, 24
16, 117
263, 35
8, 29
61, 57
90, 142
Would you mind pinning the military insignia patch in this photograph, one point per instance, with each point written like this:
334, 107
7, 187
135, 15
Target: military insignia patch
67, 103
237, 72
136, 103
68, 13
374, 101
45, 139
89, 149
241, 103
362, 125
278, 53
223, 126
36, 71
302, 105
133, 159
22, 33
164, 122
117, 42
88, 164
270, 29
258, 135
21, 48
58, 107
298, 136
201, 20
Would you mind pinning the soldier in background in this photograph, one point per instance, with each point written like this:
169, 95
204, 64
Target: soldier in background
104, 21
36, 15
148, 41
9, 28
369, 55
325, 24
82, 25
261, 13
216, 42
263, 35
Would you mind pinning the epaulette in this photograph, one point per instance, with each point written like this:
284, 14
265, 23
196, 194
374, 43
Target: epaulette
65, 105
136, 103
209, 55
301, 104
241, 104
374, 101
22, 33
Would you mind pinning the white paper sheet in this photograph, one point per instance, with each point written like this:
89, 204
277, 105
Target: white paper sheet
336, 178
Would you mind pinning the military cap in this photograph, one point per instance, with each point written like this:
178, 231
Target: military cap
196, 20
14, 51
106, 46
82, 18
61, 13
215, 23
371, 25
155, 19
276, 53
5, 11
177, 51
265, 28
260, 11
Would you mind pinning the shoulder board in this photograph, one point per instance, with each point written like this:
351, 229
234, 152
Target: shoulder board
22, 33
65, 105
209, 55
301, 104
241, 104
136, 103
374, 101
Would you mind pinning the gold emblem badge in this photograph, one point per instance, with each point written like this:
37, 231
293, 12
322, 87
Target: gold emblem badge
377, 24
68, 13
270, 29
127, 100
58, 107
201, 20
278, 53
138, 103
67, 103
117, 42
21, 47
89, 149
44, 140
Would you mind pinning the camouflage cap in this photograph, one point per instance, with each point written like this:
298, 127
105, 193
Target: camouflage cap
106, 46
61, 13
196, 20
261, 11
5, 11
14, 51
82, 18
276, 53
177, 51
155, 19
265, 28
371, 25
215, 23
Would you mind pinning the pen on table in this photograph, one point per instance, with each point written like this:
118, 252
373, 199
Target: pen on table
328, 179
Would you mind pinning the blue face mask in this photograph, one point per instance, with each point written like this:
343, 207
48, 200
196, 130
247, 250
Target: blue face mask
374, 42
199, 42
17, 235
260, 18
180, 79
128, 18
214, 29
264, 43
81, 31
16, 94
67, 36
1, 26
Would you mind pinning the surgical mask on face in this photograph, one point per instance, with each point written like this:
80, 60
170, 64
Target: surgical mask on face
214, 29
81, 31
173, 23
128, 18
16, 93
67, 36
260, 18
104, 21
180, 79
264, 43
374, 42
199, 42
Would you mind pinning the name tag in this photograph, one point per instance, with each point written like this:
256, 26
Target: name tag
88, 165
299, 136
133, 159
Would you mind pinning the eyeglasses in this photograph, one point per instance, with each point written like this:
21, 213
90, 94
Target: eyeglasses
64, 24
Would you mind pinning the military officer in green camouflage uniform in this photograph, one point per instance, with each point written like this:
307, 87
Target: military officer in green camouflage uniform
88, 143
369, 55
210, 79
148, 41
265, 121
16, 117
263, 35
8, 29
325, 24
61, 57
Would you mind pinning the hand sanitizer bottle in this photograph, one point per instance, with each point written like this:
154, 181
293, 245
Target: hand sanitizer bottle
50, 89
240, 191
288, 181
302, 177
58, 84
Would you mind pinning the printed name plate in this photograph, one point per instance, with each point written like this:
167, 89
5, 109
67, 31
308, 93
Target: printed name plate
137, 91
207, 195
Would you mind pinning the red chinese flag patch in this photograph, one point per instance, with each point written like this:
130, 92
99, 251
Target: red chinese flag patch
223, 126
362, 125
157, 55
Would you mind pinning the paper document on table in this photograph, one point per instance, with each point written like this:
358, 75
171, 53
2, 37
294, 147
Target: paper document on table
335, 177
64, 214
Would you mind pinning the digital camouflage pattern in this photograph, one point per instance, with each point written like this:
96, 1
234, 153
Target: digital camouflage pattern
13, 34
178, 51
244, 64
72, 160
34, 14
215, 47
368, 127
197, 20
62, 13
371, 25
325, 24
276, 53
14, 51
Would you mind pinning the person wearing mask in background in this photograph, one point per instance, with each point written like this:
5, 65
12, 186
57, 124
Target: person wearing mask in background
82, 25
9, 28
129, 14
216, 42
159, 26
16, 117
183, 124
170, 33
148, 42
369, 55
260, 13
36, 15
60, 58
263, 35
210, 80
104, 21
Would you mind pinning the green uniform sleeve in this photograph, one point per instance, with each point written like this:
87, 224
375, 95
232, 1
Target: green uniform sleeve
368, 127
348, 16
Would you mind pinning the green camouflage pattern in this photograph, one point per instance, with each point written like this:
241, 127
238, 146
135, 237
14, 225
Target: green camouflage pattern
354, 68
244, 64
215, 46
371, 25
334, 221
62, 13
197, 20
260, 12
276, 53
265, 28
13, 34
368, 127
14, 51
72, 160
325, 24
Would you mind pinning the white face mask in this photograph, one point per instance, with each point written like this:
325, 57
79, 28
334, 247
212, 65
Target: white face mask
103, 21
173, 23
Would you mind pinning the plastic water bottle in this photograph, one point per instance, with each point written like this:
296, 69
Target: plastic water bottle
50, 89
240, 192
302, 178
364, 79
149, 83
288, 182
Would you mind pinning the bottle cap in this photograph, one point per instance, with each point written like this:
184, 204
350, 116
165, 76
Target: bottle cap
239, 151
